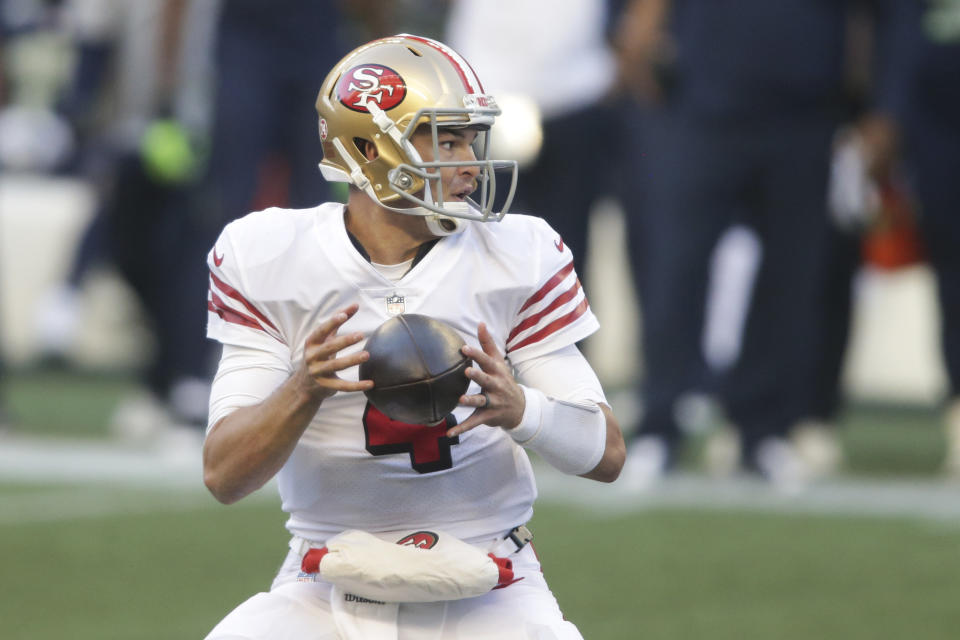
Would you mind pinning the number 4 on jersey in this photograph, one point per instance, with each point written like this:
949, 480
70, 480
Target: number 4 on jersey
428, 446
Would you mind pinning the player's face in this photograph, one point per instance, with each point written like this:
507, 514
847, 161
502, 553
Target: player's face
454, 145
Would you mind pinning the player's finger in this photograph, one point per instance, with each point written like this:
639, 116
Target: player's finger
478, 356
331, 324
331, 346
339, 384
487, 362
483, 404
327, 367
488, 353
482, 378
487, 343
475, 419
488, 356
478, 401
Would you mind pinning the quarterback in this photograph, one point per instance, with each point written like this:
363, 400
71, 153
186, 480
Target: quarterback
401, 531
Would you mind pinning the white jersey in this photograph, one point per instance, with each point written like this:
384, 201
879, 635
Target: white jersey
276, 274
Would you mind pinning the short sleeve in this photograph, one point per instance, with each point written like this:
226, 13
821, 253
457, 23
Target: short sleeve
556, 312
234, 317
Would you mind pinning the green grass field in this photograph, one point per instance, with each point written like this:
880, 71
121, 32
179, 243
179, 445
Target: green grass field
103, 560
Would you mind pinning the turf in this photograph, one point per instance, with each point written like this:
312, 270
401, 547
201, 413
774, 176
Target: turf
692, 574
163, 574
52, 402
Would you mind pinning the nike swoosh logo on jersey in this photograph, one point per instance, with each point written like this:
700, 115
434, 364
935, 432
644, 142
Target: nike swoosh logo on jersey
217, 260
558, 243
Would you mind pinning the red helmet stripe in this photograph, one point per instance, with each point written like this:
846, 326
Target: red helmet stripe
458, 62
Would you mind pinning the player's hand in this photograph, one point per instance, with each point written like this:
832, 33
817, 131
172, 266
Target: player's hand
501, 401
320, 362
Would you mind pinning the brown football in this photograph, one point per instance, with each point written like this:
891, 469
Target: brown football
416, 367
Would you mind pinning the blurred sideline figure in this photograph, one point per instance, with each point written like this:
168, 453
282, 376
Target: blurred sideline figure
560, 119
893, 204
33, 138
931, 137
138, 105
865, 178
748, 102
4, 417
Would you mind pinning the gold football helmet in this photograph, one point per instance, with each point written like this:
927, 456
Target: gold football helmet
381, 92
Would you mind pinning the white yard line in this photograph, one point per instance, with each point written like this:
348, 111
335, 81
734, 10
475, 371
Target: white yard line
44, 460
105, 478
109, 478
931, 499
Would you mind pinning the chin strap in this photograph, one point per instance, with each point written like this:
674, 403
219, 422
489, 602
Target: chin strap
356, 175
441, 226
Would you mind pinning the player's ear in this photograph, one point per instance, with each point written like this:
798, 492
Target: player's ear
367, 148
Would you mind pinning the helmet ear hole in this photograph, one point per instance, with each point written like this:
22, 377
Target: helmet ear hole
366, 148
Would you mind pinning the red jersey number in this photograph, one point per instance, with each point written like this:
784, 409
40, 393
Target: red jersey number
428, 446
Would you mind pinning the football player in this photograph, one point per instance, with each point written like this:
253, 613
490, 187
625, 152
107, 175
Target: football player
405, 121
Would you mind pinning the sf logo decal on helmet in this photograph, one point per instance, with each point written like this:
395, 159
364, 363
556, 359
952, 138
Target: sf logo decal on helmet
374, 82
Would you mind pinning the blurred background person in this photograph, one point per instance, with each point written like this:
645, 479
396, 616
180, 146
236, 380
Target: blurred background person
562, 119
892, 202
749, 100
137, 103
862, 183
4, 417
33, 138
931, 142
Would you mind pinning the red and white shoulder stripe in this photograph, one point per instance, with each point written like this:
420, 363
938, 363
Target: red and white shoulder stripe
230, 305
559, 303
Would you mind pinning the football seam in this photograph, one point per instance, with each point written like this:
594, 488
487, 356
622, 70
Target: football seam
422, 380
416, 345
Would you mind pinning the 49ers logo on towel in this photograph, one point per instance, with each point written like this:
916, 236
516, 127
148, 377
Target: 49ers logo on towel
420, 539
369, 82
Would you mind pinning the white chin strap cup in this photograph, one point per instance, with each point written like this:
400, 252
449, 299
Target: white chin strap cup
444, 225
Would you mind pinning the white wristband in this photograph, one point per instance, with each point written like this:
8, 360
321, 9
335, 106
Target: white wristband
532, 413
571, 437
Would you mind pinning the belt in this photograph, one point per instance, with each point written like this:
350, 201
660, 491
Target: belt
514, 541
517, 539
